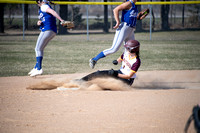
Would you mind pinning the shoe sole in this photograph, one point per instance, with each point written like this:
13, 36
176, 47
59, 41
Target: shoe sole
91, 64
36, 74
32, 71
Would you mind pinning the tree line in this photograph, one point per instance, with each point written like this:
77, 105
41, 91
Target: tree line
64, 13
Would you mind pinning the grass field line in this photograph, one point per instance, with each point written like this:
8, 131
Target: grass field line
178, 50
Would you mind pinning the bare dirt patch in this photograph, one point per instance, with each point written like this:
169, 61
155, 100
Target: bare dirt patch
158, 101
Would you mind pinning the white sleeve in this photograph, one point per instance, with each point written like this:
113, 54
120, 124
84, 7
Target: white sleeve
44, 8
131, 1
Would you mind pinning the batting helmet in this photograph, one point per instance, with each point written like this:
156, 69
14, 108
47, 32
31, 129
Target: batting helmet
132, 46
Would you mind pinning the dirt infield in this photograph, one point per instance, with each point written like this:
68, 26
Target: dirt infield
158, 102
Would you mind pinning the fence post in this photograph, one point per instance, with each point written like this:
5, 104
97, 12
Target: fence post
23, 19
87, 25
150, 21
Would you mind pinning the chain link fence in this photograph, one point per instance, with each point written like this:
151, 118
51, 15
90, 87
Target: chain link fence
179, 17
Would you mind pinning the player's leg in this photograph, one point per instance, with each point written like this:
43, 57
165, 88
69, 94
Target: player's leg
105, 73
120, 34
93, 61
96, 74
131, 35
42, 42
37, 58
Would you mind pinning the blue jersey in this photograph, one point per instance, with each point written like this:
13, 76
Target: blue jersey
130, 16
48, 20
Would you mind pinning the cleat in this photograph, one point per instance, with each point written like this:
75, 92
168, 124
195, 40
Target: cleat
92, 63
32, 71
36, 72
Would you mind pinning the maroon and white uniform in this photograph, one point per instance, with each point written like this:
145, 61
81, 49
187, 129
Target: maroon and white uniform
129, 64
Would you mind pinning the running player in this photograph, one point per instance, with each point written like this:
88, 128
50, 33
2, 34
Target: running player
130, 64
124, 31
47, 22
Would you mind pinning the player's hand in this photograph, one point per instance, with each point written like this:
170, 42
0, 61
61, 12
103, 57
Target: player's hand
116, 26
113, 73
115, 62
39, 22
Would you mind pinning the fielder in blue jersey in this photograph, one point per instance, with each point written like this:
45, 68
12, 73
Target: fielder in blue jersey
124, 30
47, 22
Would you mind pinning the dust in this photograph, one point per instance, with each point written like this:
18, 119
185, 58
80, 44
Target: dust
110, 84
45, 85
93, 85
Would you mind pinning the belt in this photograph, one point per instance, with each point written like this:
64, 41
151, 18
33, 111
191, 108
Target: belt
130, 25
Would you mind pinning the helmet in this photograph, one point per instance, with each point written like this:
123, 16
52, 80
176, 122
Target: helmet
132, 46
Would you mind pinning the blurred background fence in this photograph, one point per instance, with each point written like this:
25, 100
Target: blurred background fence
100, 17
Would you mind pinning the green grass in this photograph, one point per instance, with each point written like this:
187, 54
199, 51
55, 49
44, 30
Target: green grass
70, 53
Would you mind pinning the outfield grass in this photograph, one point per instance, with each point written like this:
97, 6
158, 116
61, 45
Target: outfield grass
70, 53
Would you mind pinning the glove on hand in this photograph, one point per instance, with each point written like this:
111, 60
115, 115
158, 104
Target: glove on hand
141, 15
113, 73
67, 24
115, 62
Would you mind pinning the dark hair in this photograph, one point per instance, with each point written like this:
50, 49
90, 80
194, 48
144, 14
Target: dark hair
138, 53
42, 0
38, 0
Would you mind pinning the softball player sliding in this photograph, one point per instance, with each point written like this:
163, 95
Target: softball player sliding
124, 31
130, 64
47, 23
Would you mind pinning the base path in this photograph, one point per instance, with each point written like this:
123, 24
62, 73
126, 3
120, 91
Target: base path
158, 102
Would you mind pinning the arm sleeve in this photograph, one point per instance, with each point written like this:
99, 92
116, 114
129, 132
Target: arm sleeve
44, 8
131, 1
136, 65
122, 56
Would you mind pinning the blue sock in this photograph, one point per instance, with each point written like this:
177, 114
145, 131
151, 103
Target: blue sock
99, 56
39, 62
